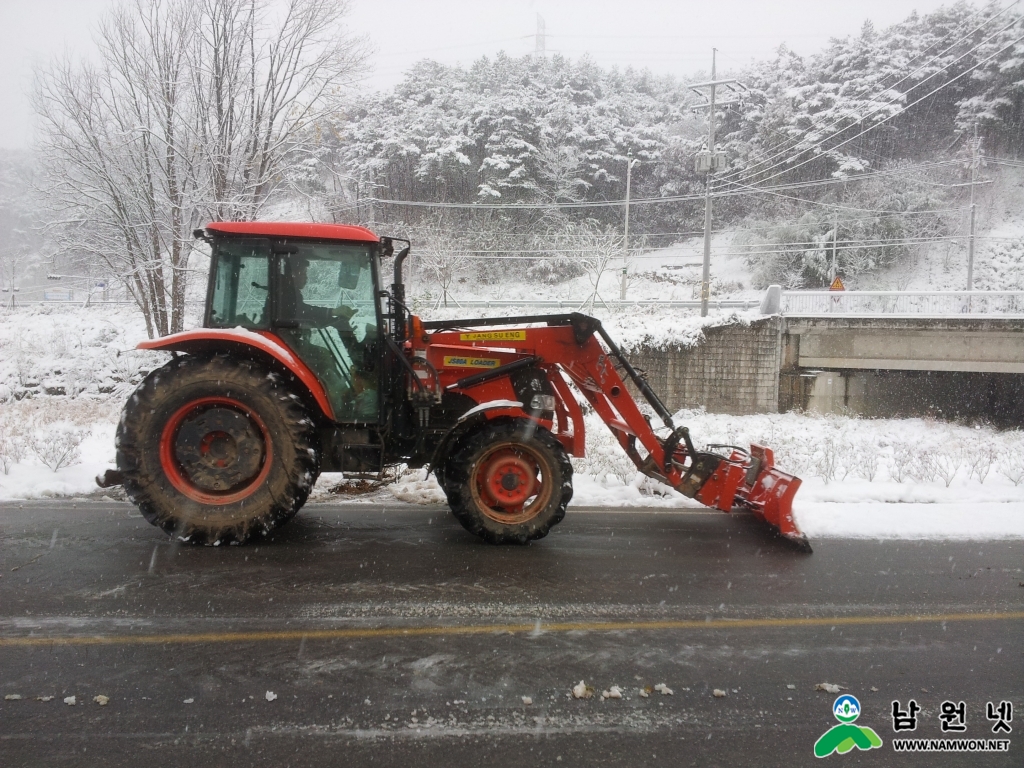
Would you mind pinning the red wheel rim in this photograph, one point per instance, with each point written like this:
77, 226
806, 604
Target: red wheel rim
215, 450
511, 483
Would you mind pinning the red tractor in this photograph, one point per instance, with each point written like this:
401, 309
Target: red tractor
305, 363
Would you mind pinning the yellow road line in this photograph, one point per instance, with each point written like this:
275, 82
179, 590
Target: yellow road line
486, 629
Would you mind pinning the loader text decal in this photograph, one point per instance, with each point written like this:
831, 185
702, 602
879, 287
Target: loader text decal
451, 361
494, 336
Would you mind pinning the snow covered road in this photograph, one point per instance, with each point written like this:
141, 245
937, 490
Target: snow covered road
387, 634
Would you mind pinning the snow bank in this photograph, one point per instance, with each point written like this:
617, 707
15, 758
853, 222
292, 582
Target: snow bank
873, 478
958, 520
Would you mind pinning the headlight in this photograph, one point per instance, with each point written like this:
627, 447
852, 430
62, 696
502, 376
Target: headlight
542, 403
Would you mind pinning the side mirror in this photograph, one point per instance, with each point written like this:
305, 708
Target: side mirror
348, 274
387, 247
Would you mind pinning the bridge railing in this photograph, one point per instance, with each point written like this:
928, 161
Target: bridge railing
915, 303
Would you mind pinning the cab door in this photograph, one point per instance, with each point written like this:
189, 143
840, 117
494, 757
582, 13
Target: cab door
325, 309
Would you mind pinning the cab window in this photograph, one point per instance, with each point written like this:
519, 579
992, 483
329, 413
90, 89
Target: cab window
241, 287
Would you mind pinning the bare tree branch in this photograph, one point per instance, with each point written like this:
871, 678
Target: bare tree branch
187, 117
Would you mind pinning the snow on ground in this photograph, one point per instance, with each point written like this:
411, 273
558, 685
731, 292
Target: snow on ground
66, 371
55, 446
72, 350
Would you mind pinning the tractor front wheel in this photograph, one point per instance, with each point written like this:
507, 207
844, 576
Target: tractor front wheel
508, 483
217, 449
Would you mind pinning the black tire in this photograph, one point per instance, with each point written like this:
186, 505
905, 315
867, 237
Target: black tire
217, 449
499, 459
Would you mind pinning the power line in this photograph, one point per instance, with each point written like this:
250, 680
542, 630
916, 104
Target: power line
901, 111
832, 206
745, 189
860, 177
750, 172
796, 142
1001, 161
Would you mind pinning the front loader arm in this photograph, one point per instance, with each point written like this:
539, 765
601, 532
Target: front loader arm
748, 480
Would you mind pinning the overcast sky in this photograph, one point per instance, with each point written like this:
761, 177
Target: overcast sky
665, 36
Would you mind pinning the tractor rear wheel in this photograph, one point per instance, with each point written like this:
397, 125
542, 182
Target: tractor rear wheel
217, 449
508, 483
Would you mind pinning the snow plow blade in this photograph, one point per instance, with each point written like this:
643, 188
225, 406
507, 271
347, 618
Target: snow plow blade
751, 481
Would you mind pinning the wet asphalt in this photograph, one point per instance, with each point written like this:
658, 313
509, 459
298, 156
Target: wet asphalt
386, 635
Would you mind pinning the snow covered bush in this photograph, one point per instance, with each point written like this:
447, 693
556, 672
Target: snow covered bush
6, 459
863, 459
983, 455
826, 460
57, 445
555, 269
11, 451
1011, 463
605, 460
947, 461
999, 266
901, 463
127, 368
12, 442
838, 454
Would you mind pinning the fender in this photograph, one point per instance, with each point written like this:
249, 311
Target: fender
264, 342
493, 409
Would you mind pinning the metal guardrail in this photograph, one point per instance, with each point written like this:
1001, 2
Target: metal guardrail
907, 303
810, 303
576, 305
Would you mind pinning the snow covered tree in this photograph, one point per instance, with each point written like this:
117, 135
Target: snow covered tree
186, 116
997, 104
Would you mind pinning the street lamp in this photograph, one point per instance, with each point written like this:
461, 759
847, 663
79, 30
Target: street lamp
630, 162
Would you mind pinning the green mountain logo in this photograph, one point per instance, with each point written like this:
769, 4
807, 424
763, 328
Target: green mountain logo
845, 736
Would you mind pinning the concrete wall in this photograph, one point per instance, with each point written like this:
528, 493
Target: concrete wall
733, 369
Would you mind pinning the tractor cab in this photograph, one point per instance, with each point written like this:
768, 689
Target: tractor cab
317, 296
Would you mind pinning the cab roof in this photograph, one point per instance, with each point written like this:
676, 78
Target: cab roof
293, 229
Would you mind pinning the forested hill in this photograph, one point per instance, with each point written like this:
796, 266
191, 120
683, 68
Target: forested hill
551, 130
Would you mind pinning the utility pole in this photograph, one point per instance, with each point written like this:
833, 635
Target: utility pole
625, 235
539, 49
834, 268
710, 161
975, 146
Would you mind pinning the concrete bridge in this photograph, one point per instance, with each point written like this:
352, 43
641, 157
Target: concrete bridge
878, 354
